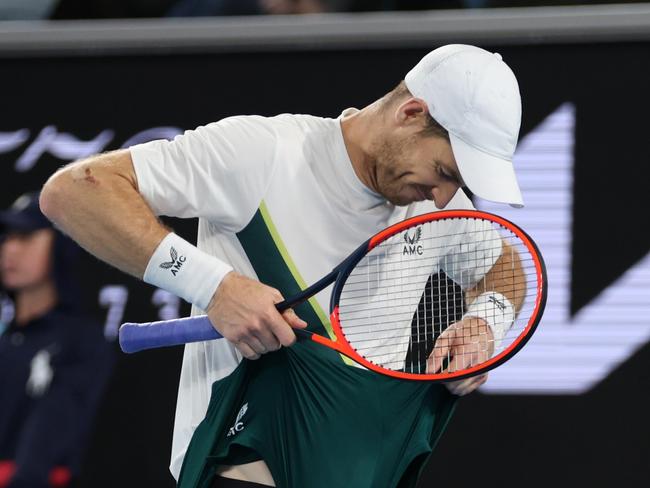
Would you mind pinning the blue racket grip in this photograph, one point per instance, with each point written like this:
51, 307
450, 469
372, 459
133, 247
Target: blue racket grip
138, 337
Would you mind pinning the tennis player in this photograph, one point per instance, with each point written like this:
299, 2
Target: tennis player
280, 202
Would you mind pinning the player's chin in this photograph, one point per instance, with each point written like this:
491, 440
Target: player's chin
406, 196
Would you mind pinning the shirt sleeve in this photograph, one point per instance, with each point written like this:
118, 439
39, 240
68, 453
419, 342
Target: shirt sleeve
473, 248
472, 252
219, 171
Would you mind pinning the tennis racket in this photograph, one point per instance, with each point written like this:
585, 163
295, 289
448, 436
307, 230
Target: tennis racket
398, 300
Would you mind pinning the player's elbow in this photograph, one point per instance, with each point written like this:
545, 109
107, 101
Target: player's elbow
85, 187
52, 199
66, 191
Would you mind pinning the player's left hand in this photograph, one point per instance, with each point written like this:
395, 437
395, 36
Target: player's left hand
463, 344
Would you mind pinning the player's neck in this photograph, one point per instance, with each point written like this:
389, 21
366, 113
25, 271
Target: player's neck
35, 301
359, 131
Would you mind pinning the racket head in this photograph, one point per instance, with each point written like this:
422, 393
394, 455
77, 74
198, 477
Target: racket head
358, 328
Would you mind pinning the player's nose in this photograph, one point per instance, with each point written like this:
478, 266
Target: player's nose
9, 246
442, 195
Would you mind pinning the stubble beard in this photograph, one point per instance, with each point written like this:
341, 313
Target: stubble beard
387, 171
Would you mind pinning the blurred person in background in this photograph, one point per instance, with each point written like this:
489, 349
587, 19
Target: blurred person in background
54, 363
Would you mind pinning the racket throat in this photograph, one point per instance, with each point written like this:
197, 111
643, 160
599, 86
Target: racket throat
309, 292
302, 334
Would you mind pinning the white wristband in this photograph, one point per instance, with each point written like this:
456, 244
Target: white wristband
496, 310
180, 268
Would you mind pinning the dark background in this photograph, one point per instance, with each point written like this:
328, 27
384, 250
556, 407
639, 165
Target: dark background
601, 438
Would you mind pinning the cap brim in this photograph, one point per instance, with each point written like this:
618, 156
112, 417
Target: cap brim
487, 176
11, 221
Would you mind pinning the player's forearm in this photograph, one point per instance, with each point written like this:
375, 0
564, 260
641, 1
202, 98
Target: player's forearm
97, 203
505, 277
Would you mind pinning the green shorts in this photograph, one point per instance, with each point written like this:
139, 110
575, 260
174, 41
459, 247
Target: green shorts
318, 423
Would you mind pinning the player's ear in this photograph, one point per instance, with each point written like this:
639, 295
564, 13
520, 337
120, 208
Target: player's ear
410, 111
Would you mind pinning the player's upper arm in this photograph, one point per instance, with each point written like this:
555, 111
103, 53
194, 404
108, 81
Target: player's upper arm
219, 171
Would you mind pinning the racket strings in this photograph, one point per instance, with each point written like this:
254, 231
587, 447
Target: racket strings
399, 301
383, 277
350, 335
407, 295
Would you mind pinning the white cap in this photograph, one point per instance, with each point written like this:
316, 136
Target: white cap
475, 96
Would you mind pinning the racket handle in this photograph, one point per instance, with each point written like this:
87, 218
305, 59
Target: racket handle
135, 337
138, 337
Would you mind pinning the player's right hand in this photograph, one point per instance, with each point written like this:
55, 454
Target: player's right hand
243, 311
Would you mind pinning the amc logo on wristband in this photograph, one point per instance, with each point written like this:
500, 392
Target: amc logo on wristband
497, 302
176, 263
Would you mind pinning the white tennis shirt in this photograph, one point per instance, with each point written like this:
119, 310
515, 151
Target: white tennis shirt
296, 170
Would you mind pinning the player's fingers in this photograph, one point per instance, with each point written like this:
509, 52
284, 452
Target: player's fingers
463, 357
455, 386
438, 356
478, 354
276, 295
246, 351
281, 329
256, 344
481, 357
280, 326
460, 387
473, 383
266, 335
481, 379
265, 338
293, 320
469, 385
